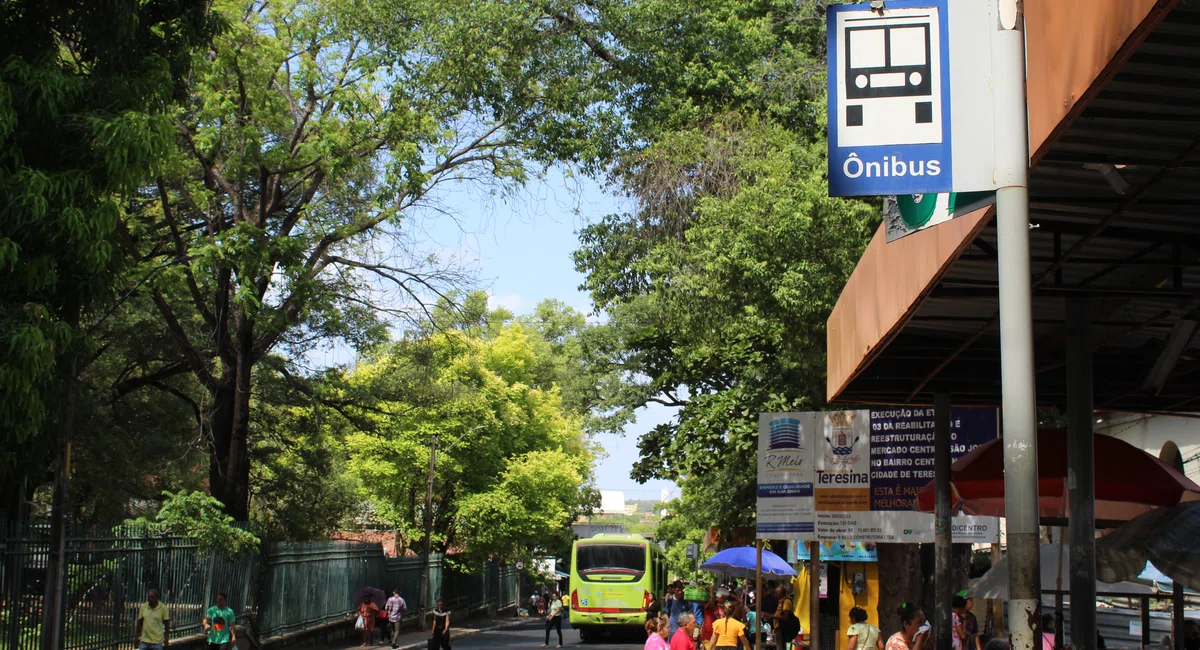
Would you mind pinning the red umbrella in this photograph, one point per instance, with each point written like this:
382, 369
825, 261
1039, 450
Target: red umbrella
1128, 480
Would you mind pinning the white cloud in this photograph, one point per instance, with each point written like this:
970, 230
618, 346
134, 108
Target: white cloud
511, 302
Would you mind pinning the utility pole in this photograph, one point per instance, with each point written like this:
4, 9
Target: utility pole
1017, 377
421, 622
942, 529
52, 613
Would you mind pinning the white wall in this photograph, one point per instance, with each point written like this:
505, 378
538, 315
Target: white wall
1150, 432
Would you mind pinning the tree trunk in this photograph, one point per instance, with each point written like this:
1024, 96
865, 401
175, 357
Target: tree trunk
901, 564
229, 461
961, 566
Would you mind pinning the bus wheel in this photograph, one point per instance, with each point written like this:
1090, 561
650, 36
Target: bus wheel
585, 634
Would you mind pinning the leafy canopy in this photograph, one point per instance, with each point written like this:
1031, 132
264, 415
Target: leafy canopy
84, 96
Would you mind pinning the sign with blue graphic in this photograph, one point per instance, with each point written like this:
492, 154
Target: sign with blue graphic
889, 99
785, 475
835, 552
910, 106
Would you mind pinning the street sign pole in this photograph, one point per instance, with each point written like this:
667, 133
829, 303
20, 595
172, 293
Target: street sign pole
1016, 322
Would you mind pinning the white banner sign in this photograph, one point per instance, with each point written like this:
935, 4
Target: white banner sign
853, 475
785, 476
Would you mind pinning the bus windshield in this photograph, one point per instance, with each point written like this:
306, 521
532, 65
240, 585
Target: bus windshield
619, 559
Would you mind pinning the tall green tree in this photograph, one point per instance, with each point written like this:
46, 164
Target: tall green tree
313, 133
497, 423
84, 96
718, 282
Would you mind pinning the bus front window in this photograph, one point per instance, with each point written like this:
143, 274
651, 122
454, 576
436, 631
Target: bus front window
593, 560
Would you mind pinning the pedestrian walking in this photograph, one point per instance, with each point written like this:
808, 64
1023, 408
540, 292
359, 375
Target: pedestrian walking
788, 629
656, 634
784, 620
366, 620
395, 607
753, 626
554, 619
913, 629
1048, 632
862, 635
958, 624
675, 607
153, 631
381, 622
970, 622
712, 611
441, 628
728, 631
220, 625
770, 603
683, 637
652, 608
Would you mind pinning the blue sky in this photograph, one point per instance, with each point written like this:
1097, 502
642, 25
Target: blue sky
520, 247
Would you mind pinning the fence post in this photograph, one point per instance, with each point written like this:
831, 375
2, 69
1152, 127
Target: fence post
118, 592
15, 583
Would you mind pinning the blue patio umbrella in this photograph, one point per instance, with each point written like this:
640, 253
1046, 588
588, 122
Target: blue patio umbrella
740, 562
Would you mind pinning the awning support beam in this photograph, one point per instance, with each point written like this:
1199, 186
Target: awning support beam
1081, 479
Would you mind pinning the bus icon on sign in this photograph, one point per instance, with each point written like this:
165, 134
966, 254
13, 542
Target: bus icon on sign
890, 79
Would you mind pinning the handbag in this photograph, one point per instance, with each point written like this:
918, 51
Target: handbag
360, 624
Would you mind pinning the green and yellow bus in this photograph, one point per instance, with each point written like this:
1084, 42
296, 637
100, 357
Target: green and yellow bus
612, 577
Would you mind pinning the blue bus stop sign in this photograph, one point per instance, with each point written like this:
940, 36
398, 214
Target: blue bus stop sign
889, 99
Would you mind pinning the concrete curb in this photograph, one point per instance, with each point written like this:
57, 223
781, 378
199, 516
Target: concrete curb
462, 634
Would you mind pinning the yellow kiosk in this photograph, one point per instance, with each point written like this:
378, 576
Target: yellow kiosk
851, 579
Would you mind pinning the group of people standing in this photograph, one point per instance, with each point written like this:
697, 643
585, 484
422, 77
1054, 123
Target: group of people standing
915, 630
388, 618
727, 620
699, 617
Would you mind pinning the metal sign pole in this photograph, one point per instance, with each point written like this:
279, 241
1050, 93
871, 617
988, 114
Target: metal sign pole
1016, 322
814, 594
758, 595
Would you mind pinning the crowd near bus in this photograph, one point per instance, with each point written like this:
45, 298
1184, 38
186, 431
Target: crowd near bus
726, 617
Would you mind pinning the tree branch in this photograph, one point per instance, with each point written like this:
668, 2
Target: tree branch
571, 22
127, 386
194, 359
181, 249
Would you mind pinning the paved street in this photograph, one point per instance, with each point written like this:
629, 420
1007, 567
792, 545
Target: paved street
532, 635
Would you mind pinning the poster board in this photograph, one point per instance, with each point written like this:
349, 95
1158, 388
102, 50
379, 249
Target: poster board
853, 475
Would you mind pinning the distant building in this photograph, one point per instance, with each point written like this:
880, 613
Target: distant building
664, 496
584, 531
612, 502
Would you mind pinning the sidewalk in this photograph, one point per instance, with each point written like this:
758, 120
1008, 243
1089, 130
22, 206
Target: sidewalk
417, 640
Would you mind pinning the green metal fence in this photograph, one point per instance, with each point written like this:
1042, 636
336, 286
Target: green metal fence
289, 587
